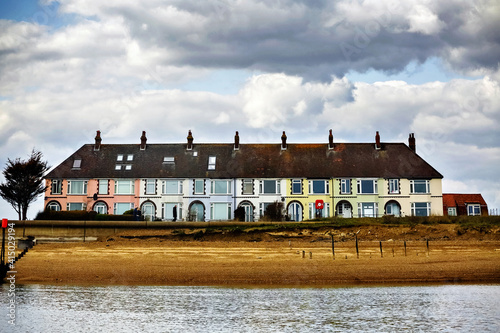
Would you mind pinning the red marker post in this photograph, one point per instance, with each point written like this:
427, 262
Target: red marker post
319, 206
5, 223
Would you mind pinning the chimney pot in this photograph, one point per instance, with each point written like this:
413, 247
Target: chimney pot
377, 141
411, 142
98, 140
190, 140
236, 141
330, 140
143, 140
283, 141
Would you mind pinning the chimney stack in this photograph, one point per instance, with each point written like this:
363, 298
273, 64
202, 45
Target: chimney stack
236, 141
330, 141
283, 141
377, 141
98, 140
190, 141
411, 142
143, 140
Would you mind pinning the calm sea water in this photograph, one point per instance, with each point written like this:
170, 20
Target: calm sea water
453, 308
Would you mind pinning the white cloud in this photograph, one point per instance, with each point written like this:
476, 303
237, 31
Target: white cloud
279, 101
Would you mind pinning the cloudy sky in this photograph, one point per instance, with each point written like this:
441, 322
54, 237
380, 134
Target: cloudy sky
71, 67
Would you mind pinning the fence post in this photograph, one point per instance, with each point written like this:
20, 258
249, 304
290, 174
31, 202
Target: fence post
333, 247
357, 249
381, 253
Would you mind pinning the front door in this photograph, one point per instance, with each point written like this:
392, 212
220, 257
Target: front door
248, 212
197, 212
295, 211
346, 210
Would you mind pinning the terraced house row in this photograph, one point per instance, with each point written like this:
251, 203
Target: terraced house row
206, 182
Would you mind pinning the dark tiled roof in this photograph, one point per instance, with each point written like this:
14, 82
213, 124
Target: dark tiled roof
250, 161
455, 199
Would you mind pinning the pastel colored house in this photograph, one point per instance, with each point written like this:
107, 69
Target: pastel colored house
208, 181
455, 204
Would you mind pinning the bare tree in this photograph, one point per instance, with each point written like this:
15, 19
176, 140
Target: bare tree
24, 182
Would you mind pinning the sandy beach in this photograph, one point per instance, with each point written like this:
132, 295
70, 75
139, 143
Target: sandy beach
139, 259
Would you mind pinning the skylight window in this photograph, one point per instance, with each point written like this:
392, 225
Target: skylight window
169, 160
118, 167
130, 157
119, 157
211, 162
77, 164
128, 167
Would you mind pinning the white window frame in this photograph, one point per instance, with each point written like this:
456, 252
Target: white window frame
345, 186
414, 208
197, 183
56, 186
324, 213
167, 209
311, 187
149, 206
178, 186
213, 186
213, 209
128, 185
99, 205
247, 183
54, 204
277, 186
389, 208
360, 186
473, 207
361, 209
150, 186
117, 204
452, 211
71, 186
103, 187
394, 186
82, 205
299, 183
418, 181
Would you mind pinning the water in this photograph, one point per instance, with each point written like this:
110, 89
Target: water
453, 308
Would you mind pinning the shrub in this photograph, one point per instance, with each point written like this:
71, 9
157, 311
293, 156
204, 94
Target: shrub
274, 211
80, 215
239, 214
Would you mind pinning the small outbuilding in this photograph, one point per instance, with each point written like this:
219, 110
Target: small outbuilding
455, 204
